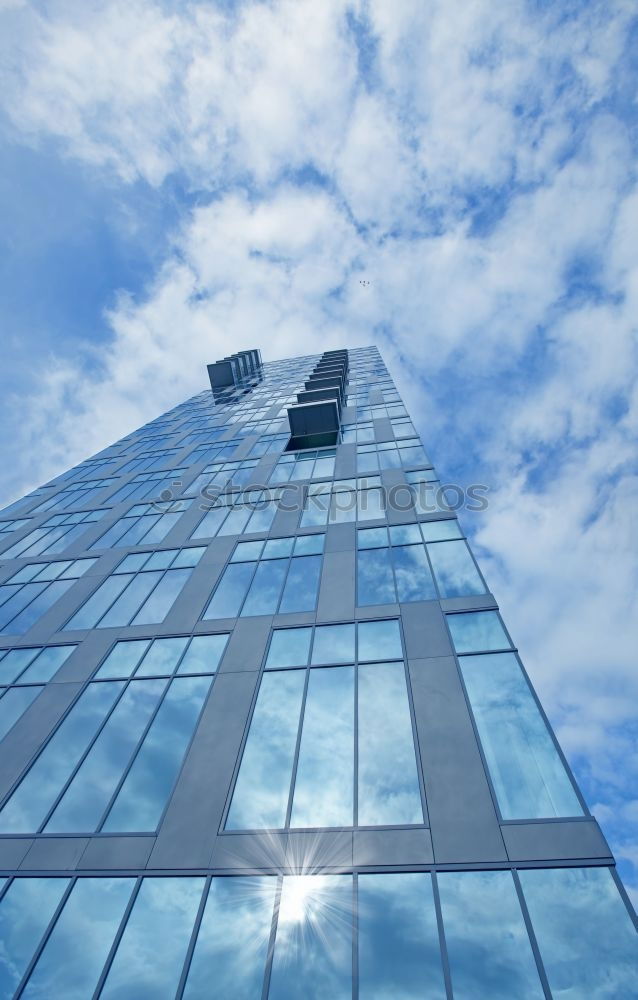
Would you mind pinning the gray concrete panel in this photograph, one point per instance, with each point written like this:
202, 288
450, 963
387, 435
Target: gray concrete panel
337, 588
555, 841
346, 461
462, 816
392, 847
475, 603
54, 854
424, 630
382, 429
247, 644
12, 852
341, 537
116, 853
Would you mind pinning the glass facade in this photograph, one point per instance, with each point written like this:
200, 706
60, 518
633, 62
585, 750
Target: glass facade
264, 734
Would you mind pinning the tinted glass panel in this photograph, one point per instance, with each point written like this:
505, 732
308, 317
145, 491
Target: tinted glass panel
399, 953
454, 569
13, 704
25, 911
150, 956
488, 947
477, 631
527, 773
375, 581
586, 937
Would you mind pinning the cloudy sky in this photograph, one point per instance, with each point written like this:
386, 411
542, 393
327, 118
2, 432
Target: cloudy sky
183, 179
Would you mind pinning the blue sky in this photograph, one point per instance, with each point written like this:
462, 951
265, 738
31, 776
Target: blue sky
182, 179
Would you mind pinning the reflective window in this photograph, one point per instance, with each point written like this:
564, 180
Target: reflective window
112, 762
344, 500
161, 657
150, 956
230, 953
319, 717
140, 591
313, 949
399, 953
487, 943
477, 631
389, 455
54, 535
394, 565
585, 935
149, 484
91, 915
143, 524
527, 773
35, 665
35, 588
304, 465
25, 912
236, 513
286, 578
215, 478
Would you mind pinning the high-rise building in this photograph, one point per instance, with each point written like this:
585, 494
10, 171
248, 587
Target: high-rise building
263, 732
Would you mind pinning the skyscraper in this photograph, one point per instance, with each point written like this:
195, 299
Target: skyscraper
263, 732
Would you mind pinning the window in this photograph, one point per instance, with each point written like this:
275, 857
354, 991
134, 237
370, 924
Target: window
585, 936
210, 452
235, 513
112, 762
363, 433
34, 589
27, 670
270, 443
304, 465
141, 590
147, 484
262, 578
478, 632
218, 477
394, 564
74, 496
528, 776
298, 767
6, 527
54, 535
154, 460
344, 500
371, 457
143, 524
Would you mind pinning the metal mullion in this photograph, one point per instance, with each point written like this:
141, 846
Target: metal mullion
623, 895
532, 936
432, 573
86, 752
355, 935
118, 937
193, 938
355, 760
134, 752
295, 762
445, 962
45, 937
132, 575
273, 938
151, 591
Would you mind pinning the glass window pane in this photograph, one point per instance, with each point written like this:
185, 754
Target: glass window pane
230, 955
454, 569
209, 525
375, 581
46, 664
163, 597
93, 609
333, 644
162, 657
149, 783
130, 599
412, 572
123, 658
487, 943
203, 654
14, 703
438, 531
12, 665
324, 785
309, 545
302, 584
528, 775
261, 793
34, 796
263, 596
91, 916
585, 935
25, 912
399, 953
150, 956
23, 622
476, 631
82, 805
379, 640
289, 647
313, 948
388, 782
230, 592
